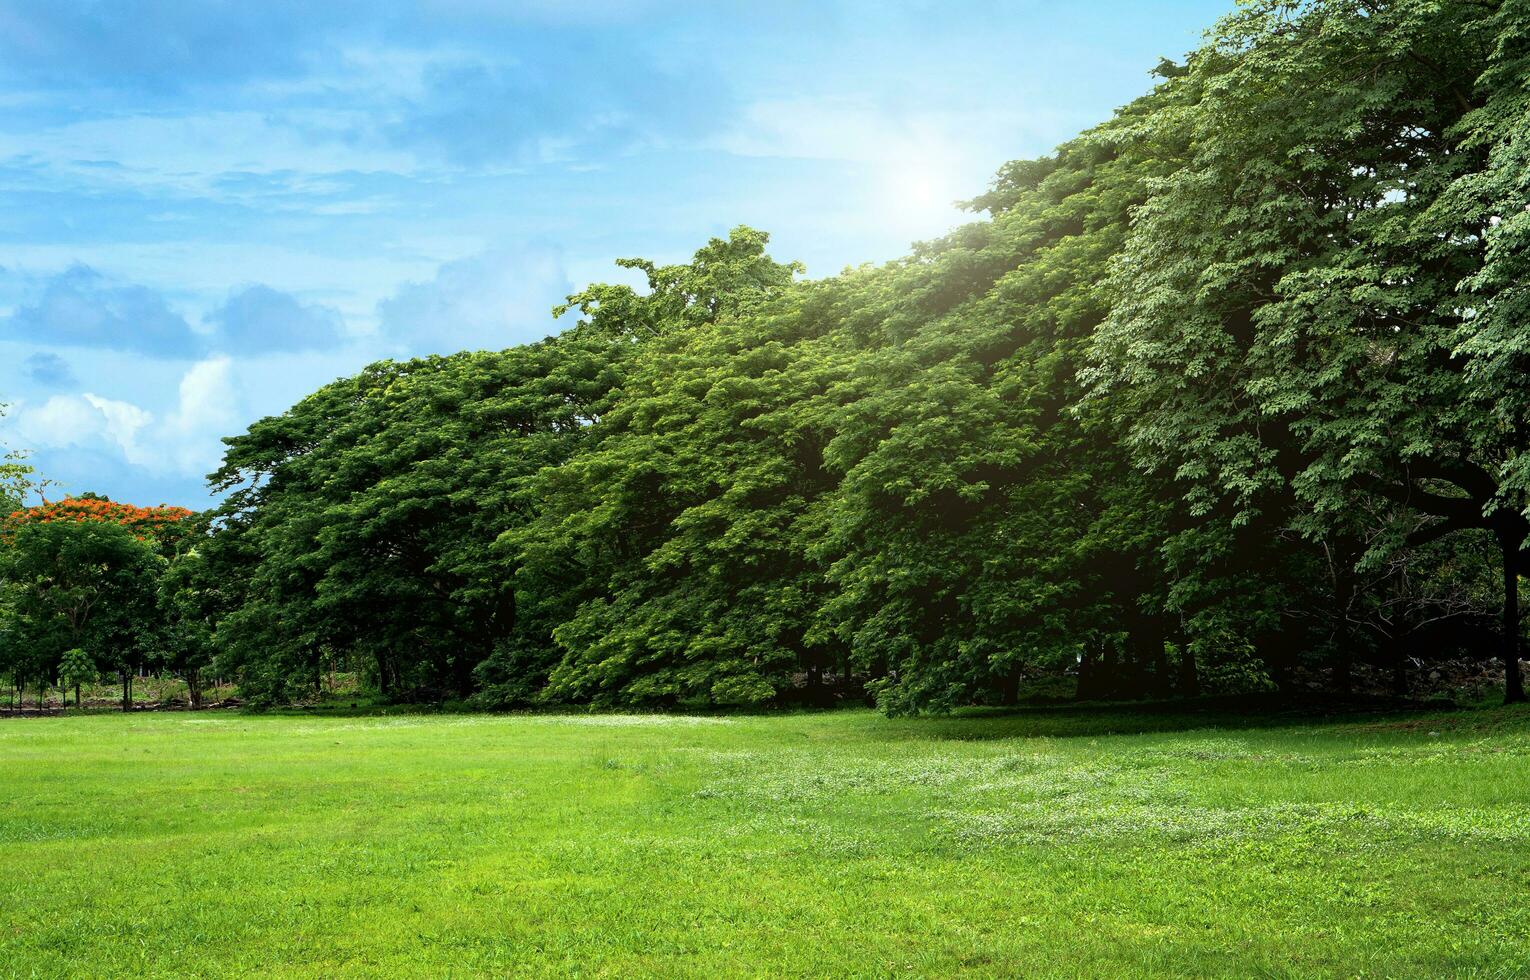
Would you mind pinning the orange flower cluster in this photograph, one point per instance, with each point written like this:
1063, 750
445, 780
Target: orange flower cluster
147, 521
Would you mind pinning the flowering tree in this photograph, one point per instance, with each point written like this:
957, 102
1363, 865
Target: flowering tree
163, 524
82, 573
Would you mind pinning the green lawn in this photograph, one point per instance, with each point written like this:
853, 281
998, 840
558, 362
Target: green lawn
1052, 842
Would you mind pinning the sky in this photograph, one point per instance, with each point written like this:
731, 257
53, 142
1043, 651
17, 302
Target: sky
209, 209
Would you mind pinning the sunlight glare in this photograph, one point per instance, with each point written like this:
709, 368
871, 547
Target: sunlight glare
922, 198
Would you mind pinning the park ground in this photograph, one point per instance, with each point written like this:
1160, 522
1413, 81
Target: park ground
1049, 841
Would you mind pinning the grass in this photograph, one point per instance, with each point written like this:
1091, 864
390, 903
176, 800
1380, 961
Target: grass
1063, 842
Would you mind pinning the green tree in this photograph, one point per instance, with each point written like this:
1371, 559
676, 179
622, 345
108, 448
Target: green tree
362, 522
76, 667
662, 554
193, 598
82, 584
1288, 319
16, 652
988, 527
1199, 407
18, 478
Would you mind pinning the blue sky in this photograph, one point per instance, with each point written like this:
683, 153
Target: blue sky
209, 209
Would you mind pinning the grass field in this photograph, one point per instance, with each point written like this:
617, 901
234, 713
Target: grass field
1051, 842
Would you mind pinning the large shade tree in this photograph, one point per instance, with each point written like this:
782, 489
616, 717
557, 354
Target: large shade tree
1321, 305
667, 552
362, 522
988, 525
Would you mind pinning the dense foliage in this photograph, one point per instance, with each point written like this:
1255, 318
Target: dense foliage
1227, 393
80, 578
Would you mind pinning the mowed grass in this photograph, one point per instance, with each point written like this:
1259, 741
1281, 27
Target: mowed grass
1063, 842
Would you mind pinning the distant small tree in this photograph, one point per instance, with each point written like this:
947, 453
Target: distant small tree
18, 480
75, 669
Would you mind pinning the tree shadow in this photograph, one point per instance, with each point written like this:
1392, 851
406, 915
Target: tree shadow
1096, 719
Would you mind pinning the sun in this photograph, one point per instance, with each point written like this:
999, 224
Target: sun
918, 189
920, 198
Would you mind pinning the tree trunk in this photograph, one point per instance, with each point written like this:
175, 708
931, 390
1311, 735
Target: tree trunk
194, 688
1513, 684
1153, 666
1343, 649
1399, 669
1110, 674
1189, 675
1089, 684
815, 685
127, 690
382, 674
462, 675
77, 696
1343, 672
1009, 694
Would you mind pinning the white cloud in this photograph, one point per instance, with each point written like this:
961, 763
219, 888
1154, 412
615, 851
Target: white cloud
82, 421
122, 421
61, 421
184, 441
208, 409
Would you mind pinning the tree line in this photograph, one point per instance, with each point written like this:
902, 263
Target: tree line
1226, 392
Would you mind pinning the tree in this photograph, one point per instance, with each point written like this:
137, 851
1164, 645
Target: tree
17, 654
192, 599
362, 523
987, 524
18, 479
1200, 407
75, 668
1288, 320
165, 527
665, 552
81, 583
18, 482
